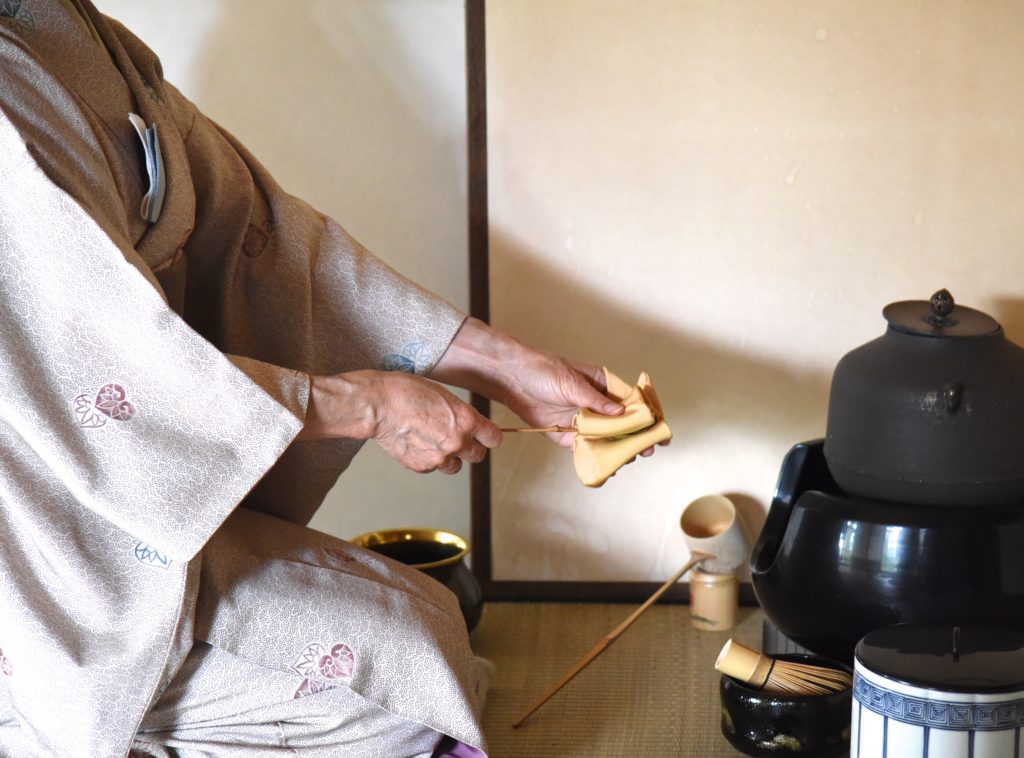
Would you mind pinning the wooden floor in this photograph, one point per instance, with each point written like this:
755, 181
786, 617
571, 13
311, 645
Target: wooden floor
654, 693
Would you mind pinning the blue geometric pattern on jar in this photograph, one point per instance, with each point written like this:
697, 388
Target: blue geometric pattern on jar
951, 715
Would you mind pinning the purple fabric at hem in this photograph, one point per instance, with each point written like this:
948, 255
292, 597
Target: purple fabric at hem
451, 748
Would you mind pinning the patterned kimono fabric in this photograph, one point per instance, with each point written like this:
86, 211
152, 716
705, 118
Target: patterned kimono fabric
160, 591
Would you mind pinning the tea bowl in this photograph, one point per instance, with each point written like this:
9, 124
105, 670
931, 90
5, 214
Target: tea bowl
760, 723
437, 553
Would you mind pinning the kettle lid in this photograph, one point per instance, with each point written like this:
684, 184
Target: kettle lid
939, 317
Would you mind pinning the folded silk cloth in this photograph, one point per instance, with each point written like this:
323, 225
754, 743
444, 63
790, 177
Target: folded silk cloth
603, 444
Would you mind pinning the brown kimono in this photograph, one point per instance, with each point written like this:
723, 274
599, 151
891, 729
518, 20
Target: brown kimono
153, 376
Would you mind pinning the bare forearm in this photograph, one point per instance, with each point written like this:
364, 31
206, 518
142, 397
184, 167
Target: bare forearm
479, 359
482, 360
542, 389
417, 422
343, 405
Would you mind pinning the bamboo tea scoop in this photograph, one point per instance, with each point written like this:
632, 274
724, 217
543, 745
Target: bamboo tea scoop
544, 429
608, 639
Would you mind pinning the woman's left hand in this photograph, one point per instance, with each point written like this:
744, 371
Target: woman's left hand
542, 389
548, 391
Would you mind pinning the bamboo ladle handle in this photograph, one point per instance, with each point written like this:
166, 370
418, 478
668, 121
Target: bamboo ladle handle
606, 641
545, 429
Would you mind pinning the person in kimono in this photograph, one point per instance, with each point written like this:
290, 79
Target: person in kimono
190, 358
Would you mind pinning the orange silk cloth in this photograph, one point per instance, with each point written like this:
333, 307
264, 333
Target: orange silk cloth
603, 444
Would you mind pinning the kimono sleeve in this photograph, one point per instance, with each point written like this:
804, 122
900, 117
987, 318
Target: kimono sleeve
142, 420
302, 291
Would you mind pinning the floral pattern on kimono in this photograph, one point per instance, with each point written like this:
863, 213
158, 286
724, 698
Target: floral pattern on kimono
323, 669
160, 372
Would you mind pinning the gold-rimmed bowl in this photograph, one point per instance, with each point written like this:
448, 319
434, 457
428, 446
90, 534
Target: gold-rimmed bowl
439, 554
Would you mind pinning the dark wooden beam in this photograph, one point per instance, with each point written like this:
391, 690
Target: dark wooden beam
479, 306
479, 269
597, 592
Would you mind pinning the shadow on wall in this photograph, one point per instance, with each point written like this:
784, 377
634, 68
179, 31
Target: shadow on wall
330, 104
1009, 312
353, 114
695, 378
711, 393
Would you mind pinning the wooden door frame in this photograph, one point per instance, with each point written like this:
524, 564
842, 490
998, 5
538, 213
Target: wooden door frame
479, 306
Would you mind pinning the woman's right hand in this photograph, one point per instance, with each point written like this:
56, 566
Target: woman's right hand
417, 422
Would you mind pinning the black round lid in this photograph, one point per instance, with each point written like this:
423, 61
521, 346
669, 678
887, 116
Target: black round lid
939, 317
973, 659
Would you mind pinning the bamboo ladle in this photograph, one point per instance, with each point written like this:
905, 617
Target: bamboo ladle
606, 641
545, 429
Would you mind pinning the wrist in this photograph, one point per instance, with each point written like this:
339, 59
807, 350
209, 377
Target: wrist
481, 360
342, 405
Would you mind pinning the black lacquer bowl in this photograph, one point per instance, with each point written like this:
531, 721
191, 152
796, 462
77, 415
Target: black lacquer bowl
827, 568
762, 723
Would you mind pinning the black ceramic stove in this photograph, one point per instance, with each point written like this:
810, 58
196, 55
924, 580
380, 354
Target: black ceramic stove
828, 568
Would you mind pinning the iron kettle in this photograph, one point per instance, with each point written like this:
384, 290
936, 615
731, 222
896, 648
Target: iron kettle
931, 412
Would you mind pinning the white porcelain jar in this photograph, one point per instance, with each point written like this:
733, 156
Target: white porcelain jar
926, 691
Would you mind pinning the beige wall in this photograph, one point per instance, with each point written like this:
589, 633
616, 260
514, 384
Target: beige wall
358, 107
722, 193
726, 194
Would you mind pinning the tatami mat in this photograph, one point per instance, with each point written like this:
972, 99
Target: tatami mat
653, 693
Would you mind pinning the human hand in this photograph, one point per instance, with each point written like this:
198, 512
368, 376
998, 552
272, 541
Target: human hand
545, 390
599, 378
417, 422
425, 427
542, 389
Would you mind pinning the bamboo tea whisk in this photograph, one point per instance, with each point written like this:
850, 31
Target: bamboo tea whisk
778, 676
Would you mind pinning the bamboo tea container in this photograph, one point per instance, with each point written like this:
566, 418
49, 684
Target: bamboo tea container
714, 600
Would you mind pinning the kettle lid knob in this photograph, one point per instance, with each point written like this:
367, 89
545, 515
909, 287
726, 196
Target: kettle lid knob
939, 316
942, 305
942, 302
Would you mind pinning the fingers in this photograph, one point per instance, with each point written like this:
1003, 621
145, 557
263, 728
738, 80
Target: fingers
426, 428
456, 446
473, 452
593, 374
453, 456
606, 406
451, 466
588, 389
487, 434
650, 451
565, 439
